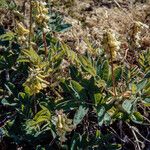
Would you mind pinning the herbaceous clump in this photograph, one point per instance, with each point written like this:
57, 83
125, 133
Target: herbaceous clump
22, 33
110, 43
135, 34
53, 97
41, 15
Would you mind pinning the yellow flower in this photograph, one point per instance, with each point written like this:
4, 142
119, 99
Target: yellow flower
35, 83
135, 34
41, 14
126, 94
45, 11
60, 125
110, 43
21, 30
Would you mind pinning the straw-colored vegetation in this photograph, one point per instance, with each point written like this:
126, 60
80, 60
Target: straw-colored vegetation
74, 74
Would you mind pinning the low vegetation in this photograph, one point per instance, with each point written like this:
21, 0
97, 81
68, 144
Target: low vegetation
54, 97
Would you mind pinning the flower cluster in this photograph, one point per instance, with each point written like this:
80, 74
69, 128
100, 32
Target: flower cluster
22, 33
38, 73
36, 81
41, 15
135, 35
110, 43
63, 125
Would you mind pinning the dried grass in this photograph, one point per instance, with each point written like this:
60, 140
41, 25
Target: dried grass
90, 21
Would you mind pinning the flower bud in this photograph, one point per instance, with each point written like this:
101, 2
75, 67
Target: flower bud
126, 94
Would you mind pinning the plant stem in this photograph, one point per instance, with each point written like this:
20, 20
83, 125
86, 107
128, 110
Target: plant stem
112, 71
135, 136
34, 105
45, 43
24, 7
30, 24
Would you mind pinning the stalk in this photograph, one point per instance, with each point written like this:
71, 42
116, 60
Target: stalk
45, 43
30, 23
34, 104
112, 71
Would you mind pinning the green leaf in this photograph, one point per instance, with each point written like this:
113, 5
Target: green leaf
133, 88
141, 85
65, 86
97, 98
114, 146
11, 88
74, 73
146, 92
107, 119
101, 112
67, 105
8, 36
117, 73
137, 117
147, 75
146, 102
6, 103
98, 133
100, 83
127, 105
79, 115
63, 27
103, 116
76, 141
44, 113
105, 70
87, 65
30, 55
43, 116
79, 91
39, 147
71, 55
76, 86
3, 4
